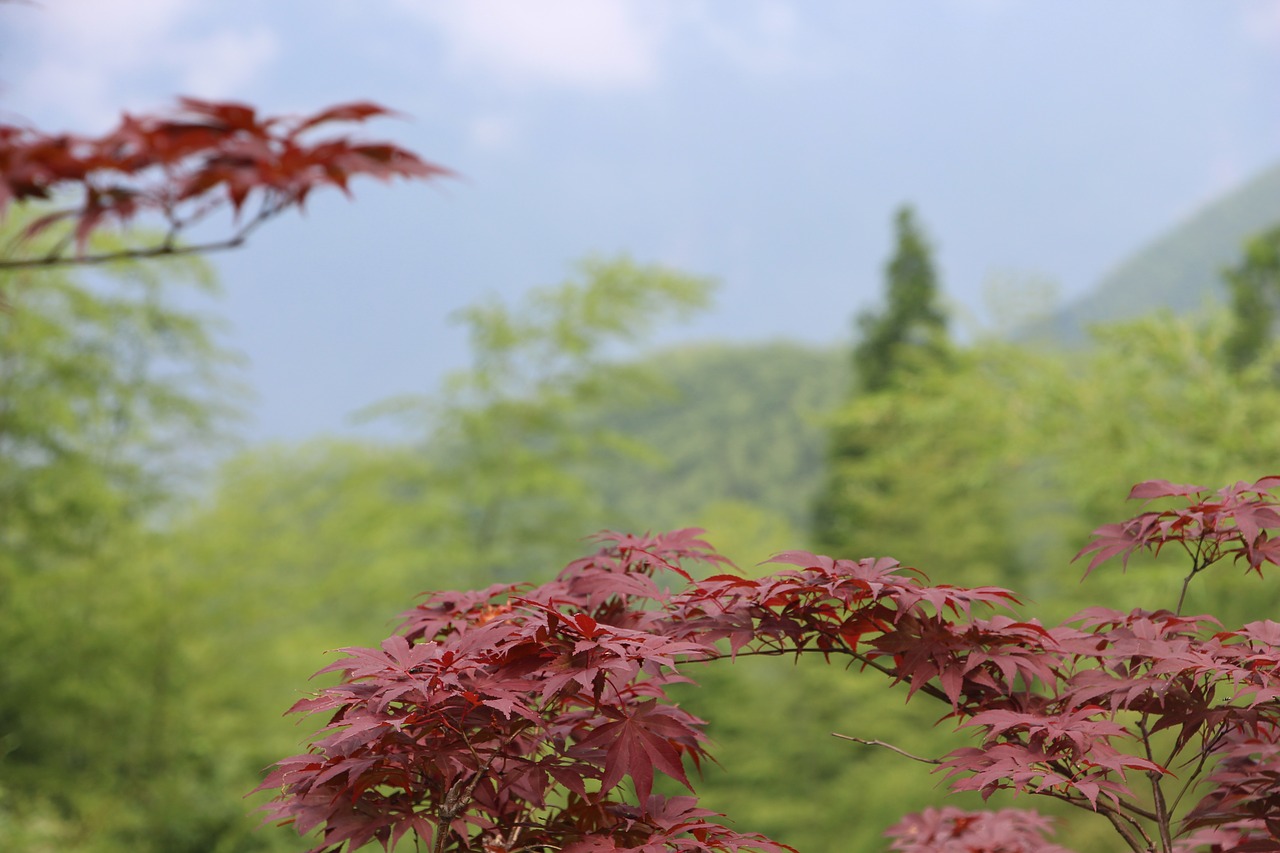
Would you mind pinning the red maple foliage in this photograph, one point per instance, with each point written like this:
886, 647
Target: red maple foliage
536, 718
952, 830
183, 165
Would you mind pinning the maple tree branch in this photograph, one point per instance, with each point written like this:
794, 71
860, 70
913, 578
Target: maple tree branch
57, 257
1128, 828
160, 251
1157, 790
889, 747
459, 797
1199, 562
1064, 769
929, 689
1193, 778
1119, 821
59, 247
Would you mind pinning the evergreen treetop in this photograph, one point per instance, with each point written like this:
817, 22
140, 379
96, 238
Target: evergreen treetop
912, 323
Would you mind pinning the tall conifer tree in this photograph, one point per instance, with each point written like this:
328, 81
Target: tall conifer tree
908, 334
911, 324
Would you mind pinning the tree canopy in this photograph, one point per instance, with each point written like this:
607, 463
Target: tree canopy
1254, 284
911, 328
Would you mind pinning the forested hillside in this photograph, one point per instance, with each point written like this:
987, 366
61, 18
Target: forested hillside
735, 423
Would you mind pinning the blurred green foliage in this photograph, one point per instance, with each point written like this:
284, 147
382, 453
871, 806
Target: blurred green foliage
738, 423
1254, 284
897, 347
108, 383
154, 635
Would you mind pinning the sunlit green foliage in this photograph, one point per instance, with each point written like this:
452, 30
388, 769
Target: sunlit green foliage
109, 391
102, 386
737, 423
994, 468
512, 447
1254, 283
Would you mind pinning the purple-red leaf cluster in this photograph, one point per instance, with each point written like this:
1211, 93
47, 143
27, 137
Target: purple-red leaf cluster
952, 830
1235, 521
183, 164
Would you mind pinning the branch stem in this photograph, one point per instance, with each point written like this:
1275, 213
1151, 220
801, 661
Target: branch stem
889, 747
57, 257
160, 251
1157, 790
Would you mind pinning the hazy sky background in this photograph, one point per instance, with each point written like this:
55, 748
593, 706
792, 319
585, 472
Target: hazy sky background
763, 143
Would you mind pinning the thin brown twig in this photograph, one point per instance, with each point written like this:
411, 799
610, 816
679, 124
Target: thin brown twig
57, 256
161, 251
1157, 790
889, 747
929, 689
1193, 778
459, 796
1128, 828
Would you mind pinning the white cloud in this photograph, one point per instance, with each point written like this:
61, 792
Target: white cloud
585, 44
90, 58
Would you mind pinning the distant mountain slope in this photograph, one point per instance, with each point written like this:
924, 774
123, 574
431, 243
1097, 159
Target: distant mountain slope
1179, 270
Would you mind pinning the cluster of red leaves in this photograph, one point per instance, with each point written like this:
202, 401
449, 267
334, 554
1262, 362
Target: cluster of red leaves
1245, 787
1232, 522
952, 830
185, 164
509, 719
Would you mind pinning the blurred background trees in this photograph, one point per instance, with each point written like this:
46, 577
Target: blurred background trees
1254, 284
112, 390
163, 598
910, 331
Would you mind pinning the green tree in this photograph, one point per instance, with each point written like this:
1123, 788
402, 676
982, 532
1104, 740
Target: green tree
110, 390
950, 459
945, 450
1254, 284
104, 387
736, 424
912, 327
906, 338
1155, 395
513, 445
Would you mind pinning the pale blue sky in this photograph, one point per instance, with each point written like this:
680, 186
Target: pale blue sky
761, 142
